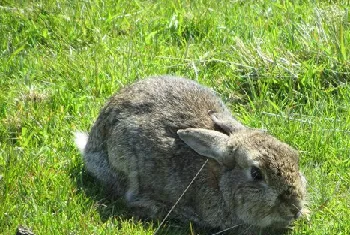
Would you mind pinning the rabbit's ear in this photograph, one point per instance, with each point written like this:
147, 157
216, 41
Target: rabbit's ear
212, 144
225, 122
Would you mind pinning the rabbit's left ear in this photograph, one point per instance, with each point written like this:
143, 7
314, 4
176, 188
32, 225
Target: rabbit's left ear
209, 143
225, 122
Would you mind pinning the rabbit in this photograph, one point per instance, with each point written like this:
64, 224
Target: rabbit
151, 139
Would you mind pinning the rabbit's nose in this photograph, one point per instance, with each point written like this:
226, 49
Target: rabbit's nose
292, 203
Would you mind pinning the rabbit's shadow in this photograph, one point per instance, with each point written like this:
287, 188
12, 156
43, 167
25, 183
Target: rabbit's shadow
107, 205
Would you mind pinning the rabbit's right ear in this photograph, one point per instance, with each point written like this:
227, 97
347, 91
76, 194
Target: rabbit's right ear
209, 143
226, 122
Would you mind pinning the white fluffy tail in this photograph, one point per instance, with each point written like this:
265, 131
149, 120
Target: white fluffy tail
81, 139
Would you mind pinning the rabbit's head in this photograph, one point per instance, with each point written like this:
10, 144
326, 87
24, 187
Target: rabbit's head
260, 182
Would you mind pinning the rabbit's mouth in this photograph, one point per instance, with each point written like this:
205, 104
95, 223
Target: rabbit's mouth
285, 220
278, 222
272, 219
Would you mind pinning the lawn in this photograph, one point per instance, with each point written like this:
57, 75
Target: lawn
279, 65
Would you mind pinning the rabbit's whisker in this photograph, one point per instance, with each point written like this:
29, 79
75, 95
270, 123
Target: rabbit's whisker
178, 200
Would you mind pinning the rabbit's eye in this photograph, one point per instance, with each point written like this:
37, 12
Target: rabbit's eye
256, 173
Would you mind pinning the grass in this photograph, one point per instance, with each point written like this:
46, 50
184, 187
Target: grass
279, 65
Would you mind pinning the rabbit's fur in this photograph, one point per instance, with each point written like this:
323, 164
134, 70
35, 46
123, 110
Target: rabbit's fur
153, 136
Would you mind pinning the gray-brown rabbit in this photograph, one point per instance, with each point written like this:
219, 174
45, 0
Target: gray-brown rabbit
153, 136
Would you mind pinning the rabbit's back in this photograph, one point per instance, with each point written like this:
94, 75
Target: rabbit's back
149, 113
167, 101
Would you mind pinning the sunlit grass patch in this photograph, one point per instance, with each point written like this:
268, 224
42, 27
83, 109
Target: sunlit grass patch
281, 66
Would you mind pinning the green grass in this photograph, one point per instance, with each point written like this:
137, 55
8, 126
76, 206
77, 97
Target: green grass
279, 65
